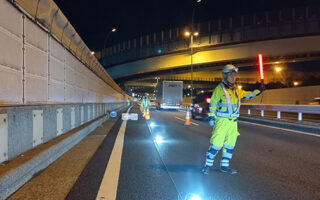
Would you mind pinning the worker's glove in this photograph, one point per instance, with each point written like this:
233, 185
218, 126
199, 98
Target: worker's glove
262, 87
212, 121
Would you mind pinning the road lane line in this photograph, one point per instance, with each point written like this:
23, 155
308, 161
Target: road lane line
109, 183
284, 129
184, 120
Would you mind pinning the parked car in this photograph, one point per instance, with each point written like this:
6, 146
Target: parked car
200, 106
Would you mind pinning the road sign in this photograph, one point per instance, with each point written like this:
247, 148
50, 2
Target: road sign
113, 114
129, 116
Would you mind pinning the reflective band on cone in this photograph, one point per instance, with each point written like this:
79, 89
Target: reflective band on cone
147, 116
187, 123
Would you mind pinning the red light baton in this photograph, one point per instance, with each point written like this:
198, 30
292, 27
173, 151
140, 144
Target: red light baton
261, 67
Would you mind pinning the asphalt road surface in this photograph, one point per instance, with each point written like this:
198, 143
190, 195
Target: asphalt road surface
272, 163
126, 160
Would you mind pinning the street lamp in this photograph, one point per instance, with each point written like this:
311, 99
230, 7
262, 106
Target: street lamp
191, 34
106, 38
278, 69
157, 78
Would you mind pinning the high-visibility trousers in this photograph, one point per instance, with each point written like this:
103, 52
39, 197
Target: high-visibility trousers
143, 109
225, 132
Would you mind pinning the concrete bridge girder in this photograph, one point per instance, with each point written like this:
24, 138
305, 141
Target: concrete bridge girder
221, 54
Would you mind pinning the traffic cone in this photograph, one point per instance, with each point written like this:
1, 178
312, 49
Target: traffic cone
187, 122
147, 116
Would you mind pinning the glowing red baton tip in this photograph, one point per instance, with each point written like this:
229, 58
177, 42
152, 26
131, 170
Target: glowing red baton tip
261, 66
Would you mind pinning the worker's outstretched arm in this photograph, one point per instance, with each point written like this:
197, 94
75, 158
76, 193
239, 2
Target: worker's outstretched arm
251, 94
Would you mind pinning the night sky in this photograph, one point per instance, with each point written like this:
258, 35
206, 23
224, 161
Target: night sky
93, 19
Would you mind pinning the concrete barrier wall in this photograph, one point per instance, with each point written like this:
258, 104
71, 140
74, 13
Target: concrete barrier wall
295, 96
25, 127
37, 69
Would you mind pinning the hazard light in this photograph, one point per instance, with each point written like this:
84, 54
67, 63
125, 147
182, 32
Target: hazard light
208, 100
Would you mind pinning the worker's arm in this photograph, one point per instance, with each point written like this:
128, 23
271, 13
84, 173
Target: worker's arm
249, 94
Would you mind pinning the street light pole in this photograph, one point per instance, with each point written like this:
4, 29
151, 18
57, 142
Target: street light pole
106, 38
191, 63
191, 44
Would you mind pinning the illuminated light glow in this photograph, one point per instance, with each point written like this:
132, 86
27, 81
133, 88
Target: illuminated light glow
239, 86
278, 69
208, 100
187, 33
277, 62
261, 66
196, 34
152, 124
158, 140
114, 30
189, 86
295, 83
195, 197
202, 91
159, 51
92, 52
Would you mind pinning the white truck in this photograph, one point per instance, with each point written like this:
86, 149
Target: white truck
169, 95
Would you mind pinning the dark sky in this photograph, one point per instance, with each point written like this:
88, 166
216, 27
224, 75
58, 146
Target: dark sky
93, 19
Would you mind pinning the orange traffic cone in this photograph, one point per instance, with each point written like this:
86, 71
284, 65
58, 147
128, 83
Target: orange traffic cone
147, 116
187, 123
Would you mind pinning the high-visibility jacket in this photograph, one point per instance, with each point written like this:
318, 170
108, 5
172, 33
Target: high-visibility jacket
145, 103
225, 102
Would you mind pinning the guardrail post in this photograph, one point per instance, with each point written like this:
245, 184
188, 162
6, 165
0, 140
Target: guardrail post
249, 112
300, 116
278, 115
262, 113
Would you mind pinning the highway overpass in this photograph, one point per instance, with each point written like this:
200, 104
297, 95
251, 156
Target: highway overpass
54, 93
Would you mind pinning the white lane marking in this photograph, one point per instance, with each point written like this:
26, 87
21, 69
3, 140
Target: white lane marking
184, 120
284, 129
109, 183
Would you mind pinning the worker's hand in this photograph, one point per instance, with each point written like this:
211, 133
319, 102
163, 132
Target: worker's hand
262, 87
212, 121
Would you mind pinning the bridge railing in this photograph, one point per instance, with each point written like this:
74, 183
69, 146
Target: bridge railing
299, 109
258, 26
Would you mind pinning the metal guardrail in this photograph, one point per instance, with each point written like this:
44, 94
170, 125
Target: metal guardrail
300, 109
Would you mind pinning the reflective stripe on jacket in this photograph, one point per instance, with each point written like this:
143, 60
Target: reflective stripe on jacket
225, 102
145, 103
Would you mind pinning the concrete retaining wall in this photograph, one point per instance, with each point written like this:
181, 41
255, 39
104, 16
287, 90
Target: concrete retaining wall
296, 96
17, 177
25, 127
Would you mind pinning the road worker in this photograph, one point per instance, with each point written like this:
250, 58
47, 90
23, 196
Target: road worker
223, 116
145, 104
128, 102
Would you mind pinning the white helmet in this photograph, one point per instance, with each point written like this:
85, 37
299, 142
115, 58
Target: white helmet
228, 69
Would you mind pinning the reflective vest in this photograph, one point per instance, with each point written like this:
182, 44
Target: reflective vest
225, 102
145, 103
230, 111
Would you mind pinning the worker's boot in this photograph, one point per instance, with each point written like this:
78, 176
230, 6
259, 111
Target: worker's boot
205, 169
228, 170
